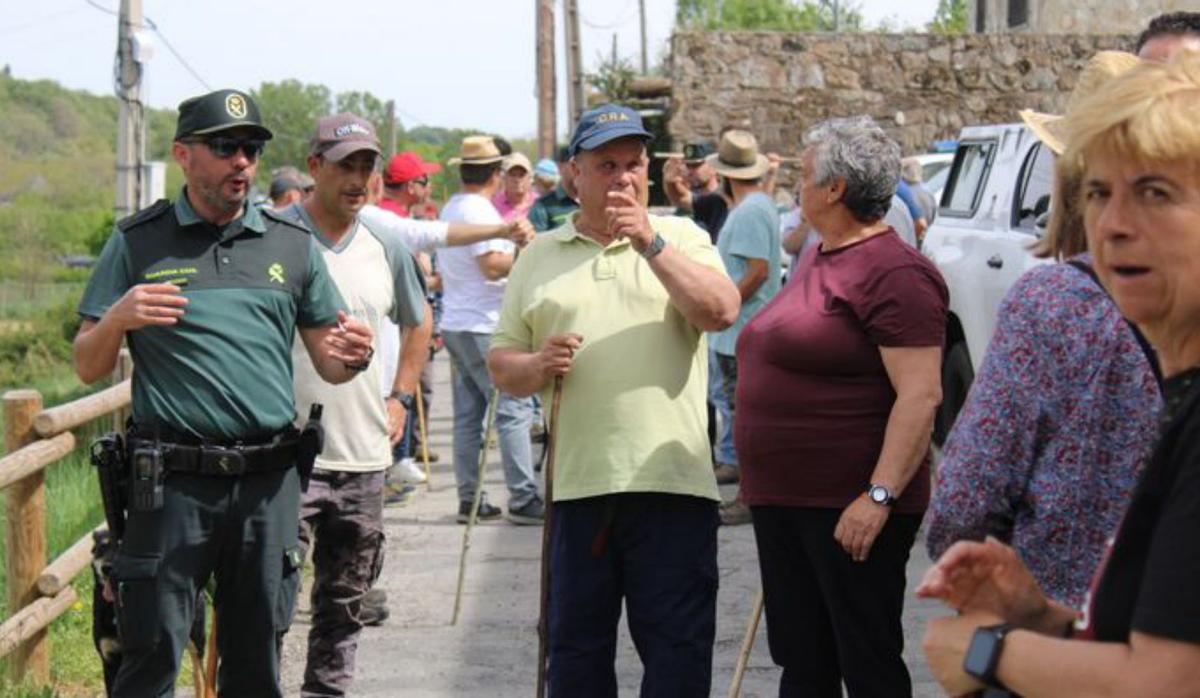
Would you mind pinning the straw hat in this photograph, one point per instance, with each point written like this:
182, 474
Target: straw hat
477, 150
737, 156
1102, 67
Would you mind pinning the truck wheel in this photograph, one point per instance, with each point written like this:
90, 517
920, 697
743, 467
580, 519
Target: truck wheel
957, 375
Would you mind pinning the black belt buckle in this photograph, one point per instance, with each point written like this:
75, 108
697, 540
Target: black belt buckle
222, 461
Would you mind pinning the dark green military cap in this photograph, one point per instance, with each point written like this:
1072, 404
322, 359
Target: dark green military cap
218, 111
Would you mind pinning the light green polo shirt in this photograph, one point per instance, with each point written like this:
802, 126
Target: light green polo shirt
632, 416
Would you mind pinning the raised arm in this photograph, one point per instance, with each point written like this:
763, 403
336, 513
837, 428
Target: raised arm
98, 342
705, 296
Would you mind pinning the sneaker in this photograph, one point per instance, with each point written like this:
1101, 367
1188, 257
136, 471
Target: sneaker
726, 474
374, 610
486, 512
734, 514
398, 494
407, 470
532, 514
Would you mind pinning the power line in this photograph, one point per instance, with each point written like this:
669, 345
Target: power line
149, 24
34, 22
625, 13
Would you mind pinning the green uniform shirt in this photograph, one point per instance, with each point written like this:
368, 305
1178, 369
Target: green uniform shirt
552, 210
224, 371
632, 417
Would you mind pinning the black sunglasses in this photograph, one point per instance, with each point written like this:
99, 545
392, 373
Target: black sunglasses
225, 147
424, 181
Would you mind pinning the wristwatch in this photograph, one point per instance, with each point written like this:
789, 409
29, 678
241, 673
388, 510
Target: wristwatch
364, 364
406, 400
983, 654
880, 495
656, 245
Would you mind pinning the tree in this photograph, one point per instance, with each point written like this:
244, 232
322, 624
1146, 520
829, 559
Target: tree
780, 15
290, 109
950, 18
366, 105
613, 79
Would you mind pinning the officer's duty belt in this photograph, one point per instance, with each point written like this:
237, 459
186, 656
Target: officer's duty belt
235, 458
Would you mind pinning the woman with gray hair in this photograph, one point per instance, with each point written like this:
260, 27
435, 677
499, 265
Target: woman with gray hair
838, 383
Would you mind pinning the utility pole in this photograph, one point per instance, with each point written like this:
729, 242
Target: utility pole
614, 52
575, 98
546, 85
131, 129
391, 127
645, 59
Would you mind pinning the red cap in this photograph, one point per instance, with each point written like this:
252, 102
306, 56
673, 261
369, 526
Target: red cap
407, 166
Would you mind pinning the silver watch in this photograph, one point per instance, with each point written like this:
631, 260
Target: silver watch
656, 245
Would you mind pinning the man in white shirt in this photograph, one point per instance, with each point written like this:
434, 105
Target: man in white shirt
474, 279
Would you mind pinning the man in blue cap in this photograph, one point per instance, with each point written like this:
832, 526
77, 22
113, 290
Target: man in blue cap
618, 301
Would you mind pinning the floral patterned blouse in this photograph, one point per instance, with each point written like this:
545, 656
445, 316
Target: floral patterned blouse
1054, 432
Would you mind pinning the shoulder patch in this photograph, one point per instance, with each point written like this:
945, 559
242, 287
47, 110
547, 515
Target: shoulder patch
146, 215
275, 217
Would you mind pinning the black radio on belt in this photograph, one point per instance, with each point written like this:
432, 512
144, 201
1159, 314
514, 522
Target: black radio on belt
146, 478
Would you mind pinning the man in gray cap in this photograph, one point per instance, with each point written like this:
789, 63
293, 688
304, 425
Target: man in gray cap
618, 301
341, 516
210, 293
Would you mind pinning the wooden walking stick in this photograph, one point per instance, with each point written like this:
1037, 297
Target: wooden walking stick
424, 436
466, 544
544, 614
739, 671
210, 673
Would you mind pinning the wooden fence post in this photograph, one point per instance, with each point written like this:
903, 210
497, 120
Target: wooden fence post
25, 534
123, 370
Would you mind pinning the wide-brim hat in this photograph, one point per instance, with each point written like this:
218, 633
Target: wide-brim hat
477, 150
1051, 129
737, 156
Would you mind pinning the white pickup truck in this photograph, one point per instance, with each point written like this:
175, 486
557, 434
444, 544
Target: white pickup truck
996, 194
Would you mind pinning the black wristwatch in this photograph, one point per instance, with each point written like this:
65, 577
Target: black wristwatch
880, 495
406, 400
983, 654
656, 245
364, 365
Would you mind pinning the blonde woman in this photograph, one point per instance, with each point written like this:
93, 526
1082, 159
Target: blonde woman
1134, 143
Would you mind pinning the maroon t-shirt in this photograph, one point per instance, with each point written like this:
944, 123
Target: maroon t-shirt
813, 397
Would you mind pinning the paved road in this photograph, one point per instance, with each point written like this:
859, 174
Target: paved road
492, 650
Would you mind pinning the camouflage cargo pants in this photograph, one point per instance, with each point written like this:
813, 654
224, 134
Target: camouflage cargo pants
341, 519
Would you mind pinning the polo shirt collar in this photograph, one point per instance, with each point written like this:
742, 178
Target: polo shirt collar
251, 218
569, 233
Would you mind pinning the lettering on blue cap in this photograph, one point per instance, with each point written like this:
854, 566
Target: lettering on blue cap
612, 116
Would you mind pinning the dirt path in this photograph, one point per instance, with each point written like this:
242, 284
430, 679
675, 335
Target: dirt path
493, 649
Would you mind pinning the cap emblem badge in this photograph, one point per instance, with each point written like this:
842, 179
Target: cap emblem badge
235, 105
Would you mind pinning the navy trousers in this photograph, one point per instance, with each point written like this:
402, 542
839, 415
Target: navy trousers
658, 554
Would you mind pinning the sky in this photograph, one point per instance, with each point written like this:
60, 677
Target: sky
453, 63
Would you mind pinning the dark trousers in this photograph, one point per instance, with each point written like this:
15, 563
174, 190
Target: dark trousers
341, 519
240, 530
658, 553
831, 619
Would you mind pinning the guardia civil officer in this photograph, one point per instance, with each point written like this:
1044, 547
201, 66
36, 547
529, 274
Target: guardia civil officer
209, 292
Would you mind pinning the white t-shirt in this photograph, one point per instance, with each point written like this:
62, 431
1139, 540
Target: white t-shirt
378, 278
418, 236
470, 303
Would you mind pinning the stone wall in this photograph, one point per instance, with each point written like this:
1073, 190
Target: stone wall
1073, 16
919, 87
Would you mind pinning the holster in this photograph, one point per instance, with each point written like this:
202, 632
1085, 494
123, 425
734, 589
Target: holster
112, 469
312, 442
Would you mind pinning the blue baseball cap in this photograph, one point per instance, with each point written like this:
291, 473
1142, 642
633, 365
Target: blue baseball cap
606, 123
546, 168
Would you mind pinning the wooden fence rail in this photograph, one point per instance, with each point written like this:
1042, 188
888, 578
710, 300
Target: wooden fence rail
36, 438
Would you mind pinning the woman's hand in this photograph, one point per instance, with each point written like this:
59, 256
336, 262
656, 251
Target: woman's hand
859, 526
986, 577
945, 644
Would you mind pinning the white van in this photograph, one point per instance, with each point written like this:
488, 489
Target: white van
997, 192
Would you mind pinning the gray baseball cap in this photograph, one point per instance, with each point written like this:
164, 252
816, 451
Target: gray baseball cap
341, 134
